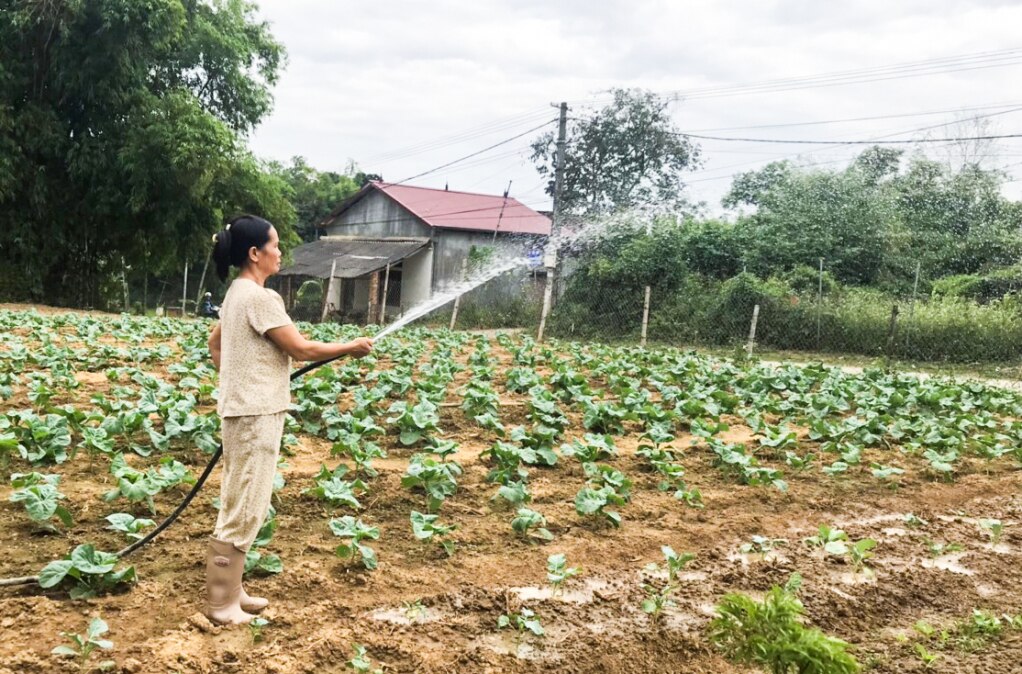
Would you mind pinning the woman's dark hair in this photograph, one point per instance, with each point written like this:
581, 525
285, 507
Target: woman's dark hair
231, 244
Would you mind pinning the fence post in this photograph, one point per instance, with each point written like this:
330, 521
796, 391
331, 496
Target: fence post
383, 304
374, 298
184, 292
645, 318
326, 293
550, 262
819, 306
752, 330
891, 330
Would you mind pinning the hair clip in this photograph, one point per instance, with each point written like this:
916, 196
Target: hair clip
228, 227
214, 238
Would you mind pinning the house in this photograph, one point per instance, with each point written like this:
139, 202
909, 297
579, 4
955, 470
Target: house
390, 246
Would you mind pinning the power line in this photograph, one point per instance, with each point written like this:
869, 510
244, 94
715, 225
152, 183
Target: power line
475, 132
477, 153
851, 142
941, 65
858, 119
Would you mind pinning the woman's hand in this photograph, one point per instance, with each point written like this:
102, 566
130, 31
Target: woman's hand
357, 348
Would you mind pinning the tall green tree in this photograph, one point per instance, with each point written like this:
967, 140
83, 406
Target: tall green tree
626, 155
315, 193
122, 136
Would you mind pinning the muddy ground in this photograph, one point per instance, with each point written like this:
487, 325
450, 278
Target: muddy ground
321, 605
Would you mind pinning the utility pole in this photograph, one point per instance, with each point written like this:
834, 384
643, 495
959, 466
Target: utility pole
550, 256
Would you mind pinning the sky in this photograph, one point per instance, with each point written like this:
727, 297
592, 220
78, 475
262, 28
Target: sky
400, 88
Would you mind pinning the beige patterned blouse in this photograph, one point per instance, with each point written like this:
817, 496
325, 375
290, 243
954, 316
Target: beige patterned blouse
254, 372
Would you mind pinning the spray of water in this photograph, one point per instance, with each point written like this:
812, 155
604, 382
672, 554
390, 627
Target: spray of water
450, 293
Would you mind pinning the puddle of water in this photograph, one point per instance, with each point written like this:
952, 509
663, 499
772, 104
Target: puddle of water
852, 578
747, 558
875, 519
400, 616
583, 595
984, 590
504, 644
949, 563
895, 531
1001, 549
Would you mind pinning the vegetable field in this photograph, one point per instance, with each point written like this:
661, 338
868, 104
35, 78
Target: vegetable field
463, 502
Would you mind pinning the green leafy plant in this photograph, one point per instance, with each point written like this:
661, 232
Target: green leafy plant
361, 663
426, 528
140, 486
591, 448
558, 571
659, 593
129, 525
332, 488
591, 502
41, 498
762, 545
531, 524
86, 572
255, 628
438, 479
356, 531
84, 645
994, 529
414, 423
524, 621
770, 634
256, 560
937, 549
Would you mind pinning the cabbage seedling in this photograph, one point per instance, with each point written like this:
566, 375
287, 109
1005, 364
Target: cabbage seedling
85, 645
994, 529
330, 487
41, 498
524, 621
357, 531
529, 523
129, 525
593, 502
833, 541
87, 571
426, 528
437, 478
361, 663
558, 571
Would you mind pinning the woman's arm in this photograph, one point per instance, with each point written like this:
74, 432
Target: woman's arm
214, 346
290, 341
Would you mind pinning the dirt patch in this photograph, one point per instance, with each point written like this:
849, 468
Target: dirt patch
424, 612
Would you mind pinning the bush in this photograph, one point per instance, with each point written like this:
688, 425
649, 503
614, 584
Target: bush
769, 634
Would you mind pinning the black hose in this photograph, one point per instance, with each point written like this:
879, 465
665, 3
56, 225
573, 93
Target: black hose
27, 580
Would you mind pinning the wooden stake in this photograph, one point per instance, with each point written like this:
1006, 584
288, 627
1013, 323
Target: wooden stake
386, 286
891, 330
184, 292
645, 318
374, 297
329, 287
752, 330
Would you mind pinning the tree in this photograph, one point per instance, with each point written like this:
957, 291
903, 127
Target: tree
315, 193
122, 136
627, 155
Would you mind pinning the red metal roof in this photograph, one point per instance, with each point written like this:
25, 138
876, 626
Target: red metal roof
467, 210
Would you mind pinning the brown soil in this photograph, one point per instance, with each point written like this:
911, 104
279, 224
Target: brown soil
320, 605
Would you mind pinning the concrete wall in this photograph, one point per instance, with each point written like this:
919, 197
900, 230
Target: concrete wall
416, 278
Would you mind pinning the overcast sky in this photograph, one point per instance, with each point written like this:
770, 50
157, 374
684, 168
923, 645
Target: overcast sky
403, 87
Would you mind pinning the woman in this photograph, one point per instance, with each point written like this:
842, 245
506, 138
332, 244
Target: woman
252, 347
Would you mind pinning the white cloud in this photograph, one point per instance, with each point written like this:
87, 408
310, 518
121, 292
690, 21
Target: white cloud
370, 79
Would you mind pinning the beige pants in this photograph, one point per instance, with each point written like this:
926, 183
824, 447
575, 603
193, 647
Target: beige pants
251, 445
